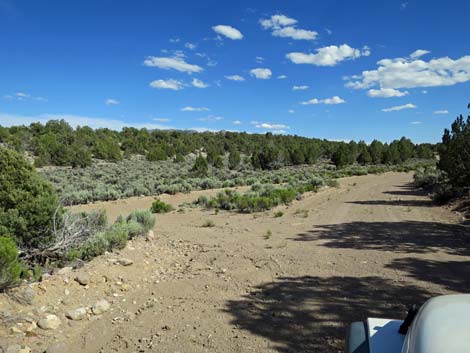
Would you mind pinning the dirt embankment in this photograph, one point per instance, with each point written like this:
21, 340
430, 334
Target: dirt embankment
255, 283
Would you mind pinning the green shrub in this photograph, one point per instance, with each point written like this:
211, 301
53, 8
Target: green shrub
116, 237
94, 247
160, 207
144, 217
132, 228
10, 267
27, 202
278, 214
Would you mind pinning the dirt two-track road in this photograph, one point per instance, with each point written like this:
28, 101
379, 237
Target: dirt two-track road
257, 283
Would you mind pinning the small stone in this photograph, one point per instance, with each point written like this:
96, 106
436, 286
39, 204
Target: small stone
82, 279
150, 235
125, 262
45, 277
16, 348
15, 330
50, 322
100, 307
57, 348
76, 314
64, 270
66, 291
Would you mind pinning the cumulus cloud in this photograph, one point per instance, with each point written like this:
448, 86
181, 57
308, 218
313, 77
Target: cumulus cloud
284, 27
409, 73
281, 77
386, 93
111, 101
279, 128
236, 122
291, 111
416, 123
175, 63
328, 101
300, 88
174, 85
195, 109
261, 73
399, 107
199, 84
228, 31
259, 59
441, 112
328, 56
235, 78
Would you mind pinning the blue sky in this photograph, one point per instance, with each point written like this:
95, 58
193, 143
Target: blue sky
330, 69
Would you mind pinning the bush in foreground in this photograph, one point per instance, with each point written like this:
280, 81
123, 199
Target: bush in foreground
10, 267
159, 206
28, 204
143, 217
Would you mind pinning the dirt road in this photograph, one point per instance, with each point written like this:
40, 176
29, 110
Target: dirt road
257, 283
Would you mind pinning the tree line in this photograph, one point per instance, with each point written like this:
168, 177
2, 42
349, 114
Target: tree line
57, 143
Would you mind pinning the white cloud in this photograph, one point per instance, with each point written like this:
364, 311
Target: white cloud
21, 96
300, 88
195, 109
439, 112
329, 101
424, 91
236, 122
174, 40
328, 56
281, 77
162, 120
228, 31
399, 107
190, 46
419, 53
259, 59
328, 31
261, 73
291, 111
175, 63
235, 78
174, 85
76, 120
416, 123
198, 83
284, 27
386, 93
408, 73
111, 101
294, 33
277, 21
268, 126
211, 118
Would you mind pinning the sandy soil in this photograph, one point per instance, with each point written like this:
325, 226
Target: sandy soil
368, 248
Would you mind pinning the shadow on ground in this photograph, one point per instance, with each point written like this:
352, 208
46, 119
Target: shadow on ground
404, 237
310, 314
452, 275
406, 203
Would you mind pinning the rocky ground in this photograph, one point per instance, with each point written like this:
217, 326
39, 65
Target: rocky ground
252, 282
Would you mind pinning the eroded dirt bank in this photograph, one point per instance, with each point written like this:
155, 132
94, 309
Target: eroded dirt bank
368, 248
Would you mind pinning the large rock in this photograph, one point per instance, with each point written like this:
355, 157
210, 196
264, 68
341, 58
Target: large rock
64, 270
82, 279
50, 322
100, 307
76, 314
125, 262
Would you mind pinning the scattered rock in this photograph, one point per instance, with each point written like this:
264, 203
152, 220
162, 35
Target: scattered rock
76, 314
15, 330
100, 307
16, 348
57, 348
125, 262
64, 270
82, 279
50, 322
23, 295
150, 236
45, 277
